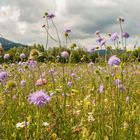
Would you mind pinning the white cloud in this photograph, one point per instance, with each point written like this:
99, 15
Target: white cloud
8, 13
104, 3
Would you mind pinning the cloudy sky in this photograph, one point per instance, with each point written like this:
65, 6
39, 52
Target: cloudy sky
21, 20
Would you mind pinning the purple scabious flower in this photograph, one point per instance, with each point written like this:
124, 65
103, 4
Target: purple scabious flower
64, 54
127, 99
73, 75
121, 87
51, 71
39, 98
68, 30
90, 64
113, 60
32, 64
101, 89
43, 75
93, 50
99, 40
19, 63
6, 56
114, 37
23, 63
69, 83
103, 42
51, 16
125, 35
97, 33
23, 83
65, 94
22, 56
118, 81
3, 75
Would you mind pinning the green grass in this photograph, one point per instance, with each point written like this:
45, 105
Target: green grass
79, 112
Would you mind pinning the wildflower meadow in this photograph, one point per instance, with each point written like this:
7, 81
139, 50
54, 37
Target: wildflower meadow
60, 99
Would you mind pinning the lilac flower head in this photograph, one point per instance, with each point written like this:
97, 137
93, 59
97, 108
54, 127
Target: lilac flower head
114, 37
64, 54
22, 56
39, 98
68, 30
6, 56
125, 35
127, 99
121, 87
73, 75
3, 75
97, 33
103, 42
113, 60
93, 50
118, 81
51, 16
23, 83
43, 75
51, 71
32, 63
99, 40
101, 89
69, 83
90, 64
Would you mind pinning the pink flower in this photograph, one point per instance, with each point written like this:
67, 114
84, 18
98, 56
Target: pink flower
41, 82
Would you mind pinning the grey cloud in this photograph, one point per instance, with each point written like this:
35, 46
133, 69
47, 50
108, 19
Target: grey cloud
31, 10
83, 17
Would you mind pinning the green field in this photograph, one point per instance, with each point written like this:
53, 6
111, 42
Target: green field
86, 102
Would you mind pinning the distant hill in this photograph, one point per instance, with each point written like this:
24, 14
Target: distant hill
104, 52
7, 44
